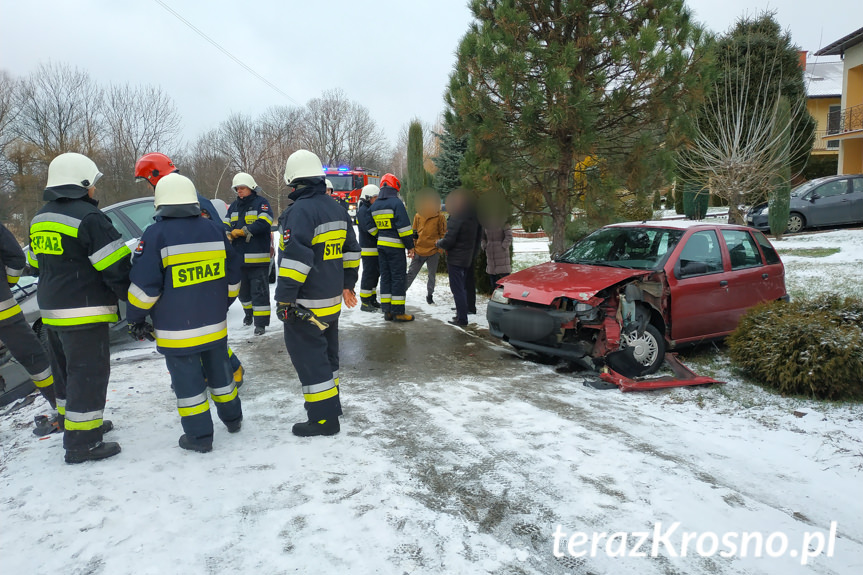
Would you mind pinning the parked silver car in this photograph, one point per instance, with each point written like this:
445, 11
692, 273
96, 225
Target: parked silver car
829, 201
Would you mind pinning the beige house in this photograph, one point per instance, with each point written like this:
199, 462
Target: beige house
846, 123
823, 81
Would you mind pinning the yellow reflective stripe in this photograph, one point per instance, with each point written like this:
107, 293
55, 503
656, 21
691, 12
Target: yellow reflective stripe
390, 243
246, 305
81, 425
194, 410
112, 258
47, 382
7, 313
109, 318
54, 227
32, 259
191, 341
385, 299
266, 217
325, 311
292, 274
224, 398
193, 257
395, 301
11, 280
249, 260
329, 236
351, 263
261, 313
369, 252
61, 409
313, 397
138, 303
233, 290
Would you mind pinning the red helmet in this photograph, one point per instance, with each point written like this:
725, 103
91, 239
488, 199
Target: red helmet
152, 167
391, 181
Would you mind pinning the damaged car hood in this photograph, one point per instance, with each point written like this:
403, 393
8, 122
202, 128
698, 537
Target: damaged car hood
543, 283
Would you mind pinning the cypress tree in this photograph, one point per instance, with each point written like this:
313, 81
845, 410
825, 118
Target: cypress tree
416, 170
779, 203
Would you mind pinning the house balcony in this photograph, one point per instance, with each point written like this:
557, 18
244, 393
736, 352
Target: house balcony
823, 143
845, 124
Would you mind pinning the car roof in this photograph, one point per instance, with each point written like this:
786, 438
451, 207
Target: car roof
129, 202
677, 224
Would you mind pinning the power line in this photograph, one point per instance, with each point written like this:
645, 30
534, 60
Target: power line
225, 52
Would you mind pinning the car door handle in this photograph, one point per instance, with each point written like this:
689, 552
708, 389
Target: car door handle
765, 276
723, 283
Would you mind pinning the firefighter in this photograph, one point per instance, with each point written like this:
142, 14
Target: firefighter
331, 193
83, 269
394, 235
251, 220
319, 258
185, 275
15, 331
151, 168
369, 246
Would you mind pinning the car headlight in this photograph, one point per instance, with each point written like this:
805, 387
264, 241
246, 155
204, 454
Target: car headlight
765, 211
583, 307
497, 296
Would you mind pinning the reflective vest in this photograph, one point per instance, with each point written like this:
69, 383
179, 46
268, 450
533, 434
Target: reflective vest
254, 215
185, 275
318, 252
82, 262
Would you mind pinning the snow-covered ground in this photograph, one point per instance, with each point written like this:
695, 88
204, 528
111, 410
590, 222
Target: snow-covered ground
455, 457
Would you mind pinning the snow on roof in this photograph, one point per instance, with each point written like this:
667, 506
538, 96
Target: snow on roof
823, 79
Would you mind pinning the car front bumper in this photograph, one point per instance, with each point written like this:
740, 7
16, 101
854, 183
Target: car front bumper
758, 221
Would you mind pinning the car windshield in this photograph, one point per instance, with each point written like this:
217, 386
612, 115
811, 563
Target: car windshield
342, 183
626, 247
805, 187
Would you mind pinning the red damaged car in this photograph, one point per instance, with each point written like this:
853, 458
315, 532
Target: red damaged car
628, 292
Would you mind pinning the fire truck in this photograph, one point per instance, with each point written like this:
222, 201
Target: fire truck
348, 183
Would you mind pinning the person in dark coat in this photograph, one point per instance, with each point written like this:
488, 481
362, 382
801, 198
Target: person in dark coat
460, 243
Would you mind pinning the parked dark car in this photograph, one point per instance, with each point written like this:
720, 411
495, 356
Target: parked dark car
829, 201
628, 292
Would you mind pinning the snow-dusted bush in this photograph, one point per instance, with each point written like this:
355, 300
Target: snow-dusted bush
807, 347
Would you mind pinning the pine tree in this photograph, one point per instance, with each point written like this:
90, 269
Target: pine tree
540, 87
448, 162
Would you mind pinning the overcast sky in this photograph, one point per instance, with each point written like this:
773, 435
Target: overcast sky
393, 56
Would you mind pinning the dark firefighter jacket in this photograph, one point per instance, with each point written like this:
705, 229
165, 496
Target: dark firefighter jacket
366, 229
185, 275
318, 252
82, 262
12, 258
391, 220
252, 214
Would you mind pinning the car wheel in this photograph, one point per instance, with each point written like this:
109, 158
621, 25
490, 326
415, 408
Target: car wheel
796, 223
646, 350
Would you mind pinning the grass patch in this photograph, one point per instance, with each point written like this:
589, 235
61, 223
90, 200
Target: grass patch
809, 252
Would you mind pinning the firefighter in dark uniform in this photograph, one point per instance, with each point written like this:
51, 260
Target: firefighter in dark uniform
185, 275
319, 258
251, 220
15, 331
331, 193
369, 245
83, 269
151, 168
395, 234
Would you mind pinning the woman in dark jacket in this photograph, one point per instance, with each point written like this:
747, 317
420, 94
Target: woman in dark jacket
460, 245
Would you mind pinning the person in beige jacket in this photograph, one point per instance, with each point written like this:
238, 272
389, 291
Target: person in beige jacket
429, 226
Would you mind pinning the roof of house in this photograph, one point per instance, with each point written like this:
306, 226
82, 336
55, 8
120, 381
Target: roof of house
823, 79
839, 47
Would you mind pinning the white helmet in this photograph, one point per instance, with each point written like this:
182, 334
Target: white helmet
175, 190
303, 164
73, 169
370, 191
221, 208
329, 184
244, 179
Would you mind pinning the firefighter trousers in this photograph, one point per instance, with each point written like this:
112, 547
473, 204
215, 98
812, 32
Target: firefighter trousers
255, 294
315, 355
81, 363
369, 279
24, 345
393, 276
190, 386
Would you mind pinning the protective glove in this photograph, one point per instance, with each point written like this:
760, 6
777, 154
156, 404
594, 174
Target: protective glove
141, 330
238, 233
289, 313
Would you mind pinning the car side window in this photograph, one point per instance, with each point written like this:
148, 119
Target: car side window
858, 184
700, 255
140, 213
835, 188
770, 254
742, 249
121, 226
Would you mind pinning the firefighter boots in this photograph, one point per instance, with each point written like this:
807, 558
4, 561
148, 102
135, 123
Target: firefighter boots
315, 428
369, 307
201, 446
259, 330
248, 319
93, 452
233, 426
